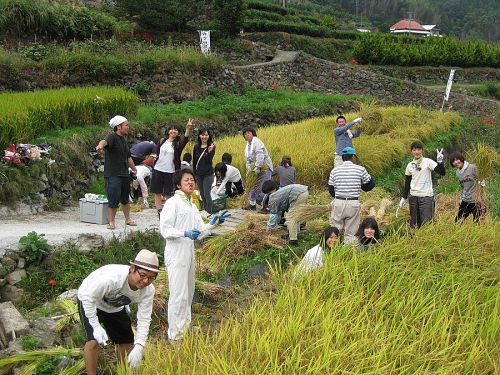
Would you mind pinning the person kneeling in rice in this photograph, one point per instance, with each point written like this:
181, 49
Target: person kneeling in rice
314, 257
103, 299
280, 201
181, 224
368, 234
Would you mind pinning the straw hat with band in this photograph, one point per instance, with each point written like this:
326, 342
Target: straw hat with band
147, 260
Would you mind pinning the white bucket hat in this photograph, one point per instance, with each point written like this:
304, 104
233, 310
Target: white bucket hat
147, 260
117, 120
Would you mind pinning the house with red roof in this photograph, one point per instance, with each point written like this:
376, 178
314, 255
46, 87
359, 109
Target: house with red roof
409, 27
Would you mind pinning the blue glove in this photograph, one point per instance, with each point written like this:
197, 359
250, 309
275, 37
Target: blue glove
214, 219
192, 234
223, 216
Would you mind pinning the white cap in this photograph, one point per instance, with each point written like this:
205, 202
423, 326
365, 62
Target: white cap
117, 120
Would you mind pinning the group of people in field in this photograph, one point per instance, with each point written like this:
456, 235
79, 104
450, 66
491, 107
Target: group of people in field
104, 296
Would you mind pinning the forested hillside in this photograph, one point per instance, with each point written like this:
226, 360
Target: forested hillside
473, 19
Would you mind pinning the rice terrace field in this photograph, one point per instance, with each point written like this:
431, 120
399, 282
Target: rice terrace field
415, 301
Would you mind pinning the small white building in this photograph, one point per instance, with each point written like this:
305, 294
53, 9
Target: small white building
433, 30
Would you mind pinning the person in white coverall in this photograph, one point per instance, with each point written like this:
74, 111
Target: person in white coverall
103, 305
180, 224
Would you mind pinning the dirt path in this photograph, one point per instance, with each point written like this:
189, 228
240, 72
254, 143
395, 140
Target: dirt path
59, 227
280, 57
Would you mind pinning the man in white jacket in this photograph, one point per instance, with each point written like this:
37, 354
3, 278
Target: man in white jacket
258, 162
103, 299
181, 224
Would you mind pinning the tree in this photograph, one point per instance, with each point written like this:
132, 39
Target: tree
160, 15
229, 16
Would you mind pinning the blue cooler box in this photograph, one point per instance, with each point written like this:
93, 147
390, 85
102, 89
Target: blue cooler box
93, 211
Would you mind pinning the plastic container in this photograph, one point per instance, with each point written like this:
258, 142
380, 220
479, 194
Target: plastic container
94, 211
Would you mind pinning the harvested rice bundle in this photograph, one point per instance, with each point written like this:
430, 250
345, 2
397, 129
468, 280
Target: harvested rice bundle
372, 118
249, 237
250, 180
302, 213
486, 160
210, 290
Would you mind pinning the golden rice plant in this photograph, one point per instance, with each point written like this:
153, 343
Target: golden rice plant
24, 116
311, 143
423, 302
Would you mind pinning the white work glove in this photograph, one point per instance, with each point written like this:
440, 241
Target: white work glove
402, 202
439, 155
135, 356
482, 183
127, 309
356, 120
100, 335
146, 203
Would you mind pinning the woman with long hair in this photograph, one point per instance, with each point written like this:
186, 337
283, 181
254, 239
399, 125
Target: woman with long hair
368, 234
169, 150
203, 155
314, 257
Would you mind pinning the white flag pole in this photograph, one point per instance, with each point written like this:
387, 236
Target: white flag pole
448, 88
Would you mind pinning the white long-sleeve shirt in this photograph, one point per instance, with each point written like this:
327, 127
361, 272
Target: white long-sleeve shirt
107, 289
142, 173
256, 155
232, 175
312, 260
178, 215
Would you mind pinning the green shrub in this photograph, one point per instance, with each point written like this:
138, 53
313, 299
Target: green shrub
23, 116
29, 342
54, 20
35, 51
376, 48
34, 247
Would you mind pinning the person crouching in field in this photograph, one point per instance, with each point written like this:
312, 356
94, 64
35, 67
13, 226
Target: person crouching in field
281, 200
227, 175
314, 257
468, 178
181, 224
343, 136
345, 184
418, 183
285, 171
368, 234
103, 299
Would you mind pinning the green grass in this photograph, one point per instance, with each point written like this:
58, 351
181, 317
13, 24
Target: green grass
422, 303
490, 90
256, 101
69, 267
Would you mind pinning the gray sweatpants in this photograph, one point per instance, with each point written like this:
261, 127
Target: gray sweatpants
346, 216
421, 210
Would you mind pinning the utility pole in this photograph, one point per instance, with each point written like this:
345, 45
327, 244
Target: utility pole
284, 3
357, 3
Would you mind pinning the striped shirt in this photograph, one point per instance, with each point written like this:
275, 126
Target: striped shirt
347, 179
